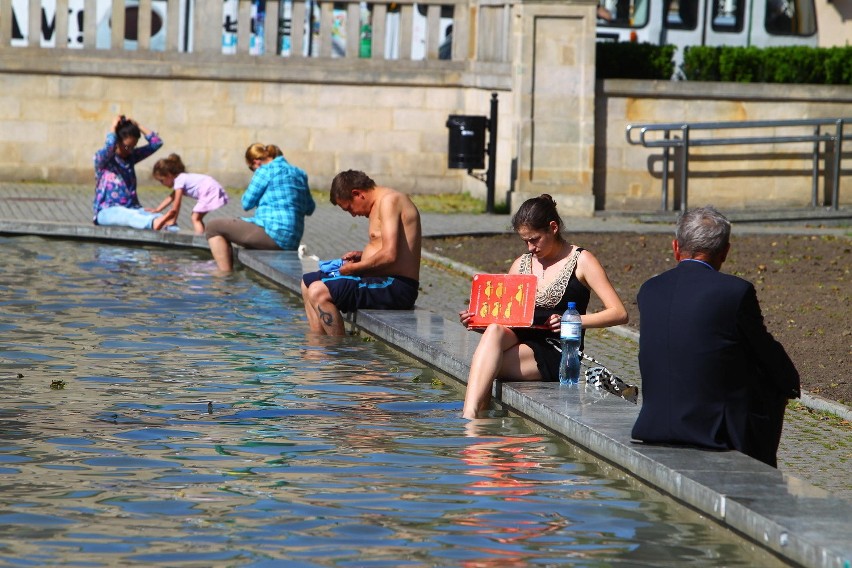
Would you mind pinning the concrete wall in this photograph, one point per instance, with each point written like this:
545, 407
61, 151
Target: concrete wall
564, 135
327, 113
834, 22
628, 178
51, 124
554, 86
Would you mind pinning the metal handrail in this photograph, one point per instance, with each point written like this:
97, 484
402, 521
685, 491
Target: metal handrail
687, 140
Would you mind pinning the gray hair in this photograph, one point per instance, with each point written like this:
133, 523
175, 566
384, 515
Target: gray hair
703, 230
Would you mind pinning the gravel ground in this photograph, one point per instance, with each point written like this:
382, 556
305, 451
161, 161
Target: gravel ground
802, 281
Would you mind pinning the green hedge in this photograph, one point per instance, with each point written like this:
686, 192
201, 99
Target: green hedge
791, 64
634, 61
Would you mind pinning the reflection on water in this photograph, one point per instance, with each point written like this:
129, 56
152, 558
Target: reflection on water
197, 427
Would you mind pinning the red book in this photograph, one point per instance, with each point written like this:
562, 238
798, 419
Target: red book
507, 299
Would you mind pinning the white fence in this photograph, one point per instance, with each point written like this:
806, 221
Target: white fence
399, 30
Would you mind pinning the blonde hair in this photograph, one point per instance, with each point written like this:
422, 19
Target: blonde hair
258, 151
171, 165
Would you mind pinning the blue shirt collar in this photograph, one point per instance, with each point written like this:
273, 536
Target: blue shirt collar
698, 261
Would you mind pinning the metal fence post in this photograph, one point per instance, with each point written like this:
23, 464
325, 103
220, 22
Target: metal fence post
815, 175
490, 174
838, 153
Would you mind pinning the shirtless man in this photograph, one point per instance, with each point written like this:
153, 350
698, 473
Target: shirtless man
385, 274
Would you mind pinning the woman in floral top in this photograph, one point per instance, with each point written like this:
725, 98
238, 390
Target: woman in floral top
116, 202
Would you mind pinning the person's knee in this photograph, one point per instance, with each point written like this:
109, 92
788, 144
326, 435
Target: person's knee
494, 331
318, 293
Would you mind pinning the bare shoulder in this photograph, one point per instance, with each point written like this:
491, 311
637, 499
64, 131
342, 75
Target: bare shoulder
396, 203
398, 199
516, 266
587, 263
586, 257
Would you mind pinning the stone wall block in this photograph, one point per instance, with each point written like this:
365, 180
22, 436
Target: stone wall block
553, 78
10, 107
334, 141
392, 141
25, 132
257, 116
416, 119
71, 88
295, 117
379, 120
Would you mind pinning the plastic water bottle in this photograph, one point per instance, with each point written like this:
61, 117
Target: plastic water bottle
570, 332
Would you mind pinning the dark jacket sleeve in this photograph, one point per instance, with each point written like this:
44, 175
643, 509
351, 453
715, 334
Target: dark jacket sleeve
768, 356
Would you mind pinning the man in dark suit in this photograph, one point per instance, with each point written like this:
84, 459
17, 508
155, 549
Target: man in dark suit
712, 375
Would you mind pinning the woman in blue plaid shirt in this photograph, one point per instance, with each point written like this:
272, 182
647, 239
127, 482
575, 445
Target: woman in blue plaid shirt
280, 196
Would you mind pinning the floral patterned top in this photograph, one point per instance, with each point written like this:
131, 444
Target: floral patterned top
116, 177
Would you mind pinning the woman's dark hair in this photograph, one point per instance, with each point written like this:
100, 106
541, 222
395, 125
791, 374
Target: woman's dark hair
537, 213
171, 165
126, 128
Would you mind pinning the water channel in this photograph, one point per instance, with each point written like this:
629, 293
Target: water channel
151, 414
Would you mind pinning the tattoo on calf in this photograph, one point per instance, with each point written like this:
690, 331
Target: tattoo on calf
327, 318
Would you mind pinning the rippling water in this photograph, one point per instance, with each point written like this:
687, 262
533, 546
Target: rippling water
166, 417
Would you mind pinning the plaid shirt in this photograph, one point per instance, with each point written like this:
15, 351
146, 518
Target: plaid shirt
280, 193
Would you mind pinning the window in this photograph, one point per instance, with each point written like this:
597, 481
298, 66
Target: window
681, 14
790, 17
623, 13
728, 15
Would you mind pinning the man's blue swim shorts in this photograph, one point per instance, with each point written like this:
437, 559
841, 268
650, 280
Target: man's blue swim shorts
367, 292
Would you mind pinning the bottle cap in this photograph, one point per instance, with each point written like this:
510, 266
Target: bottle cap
572, 305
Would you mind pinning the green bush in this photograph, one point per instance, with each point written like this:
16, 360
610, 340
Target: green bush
702, 62
741, 65
789, 64
634, 61
838, 66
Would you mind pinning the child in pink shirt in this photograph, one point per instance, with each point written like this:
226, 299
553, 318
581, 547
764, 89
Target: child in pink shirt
210, 195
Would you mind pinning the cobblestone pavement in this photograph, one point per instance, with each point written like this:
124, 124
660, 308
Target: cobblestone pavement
814, 447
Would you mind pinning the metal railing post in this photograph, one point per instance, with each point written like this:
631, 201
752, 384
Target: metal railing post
838, 153
815, 170
490, 174
668, 140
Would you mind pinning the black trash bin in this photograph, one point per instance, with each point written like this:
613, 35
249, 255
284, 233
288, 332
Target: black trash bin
467, 142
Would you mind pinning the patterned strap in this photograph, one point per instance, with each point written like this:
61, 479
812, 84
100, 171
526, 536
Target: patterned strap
549, 297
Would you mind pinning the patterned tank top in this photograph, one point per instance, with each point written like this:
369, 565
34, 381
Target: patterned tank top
566, 287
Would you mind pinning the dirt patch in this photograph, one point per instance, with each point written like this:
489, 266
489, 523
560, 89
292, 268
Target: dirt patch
802, 282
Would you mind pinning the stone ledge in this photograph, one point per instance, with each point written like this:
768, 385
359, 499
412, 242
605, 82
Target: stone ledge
99, 233
244, 67
724, 90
